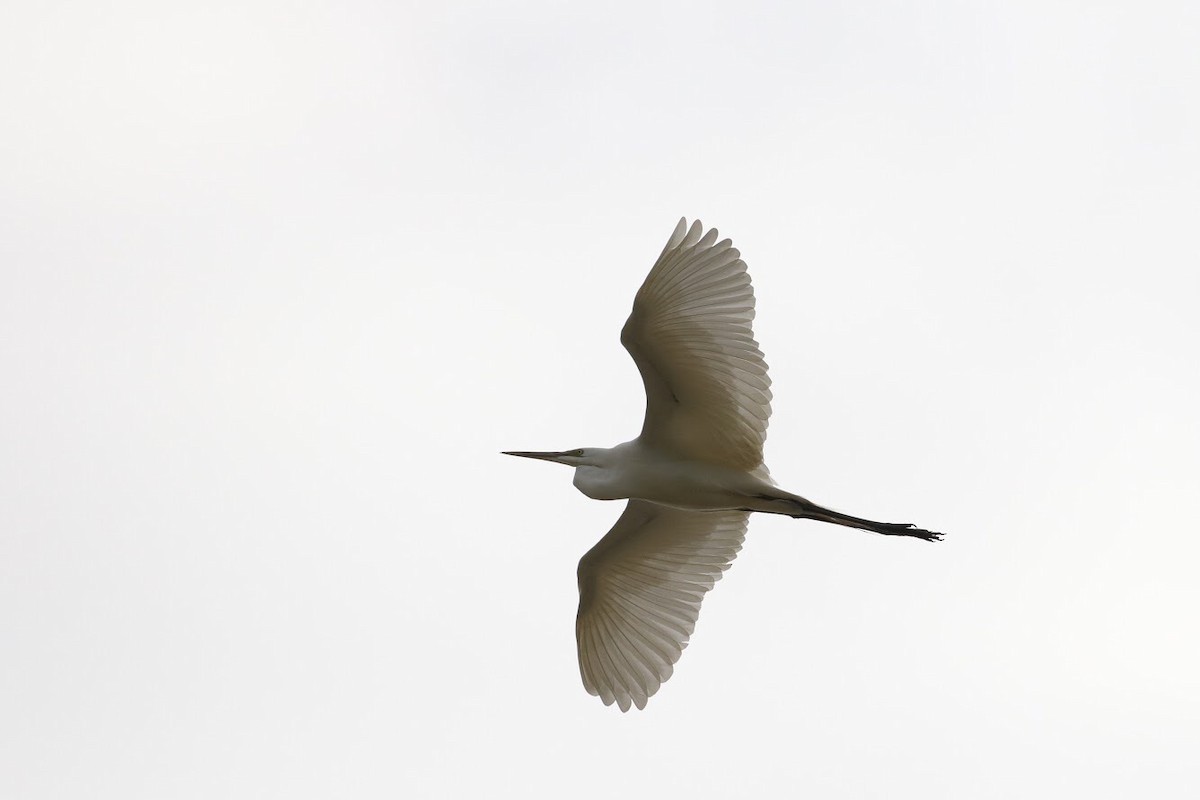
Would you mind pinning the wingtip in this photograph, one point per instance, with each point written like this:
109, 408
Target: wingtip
677, 236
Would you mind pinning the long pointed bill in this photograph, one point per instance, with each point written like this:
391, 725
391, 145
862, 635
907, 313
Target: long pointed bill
544, 456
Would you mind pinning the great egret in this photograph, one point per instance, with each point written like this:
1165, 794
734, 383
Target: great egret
691, 478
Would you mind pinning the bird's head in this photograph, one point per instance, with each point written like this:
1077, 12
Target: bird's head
579, 457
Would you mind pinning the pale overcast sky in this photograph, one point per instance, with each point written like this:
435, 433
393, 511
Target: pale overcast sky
278, 282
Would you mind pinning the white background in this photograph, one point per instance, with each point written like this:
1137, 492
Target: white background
279, 280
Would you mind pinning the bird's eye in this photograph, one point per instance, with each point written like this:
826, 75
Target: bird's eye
577, 453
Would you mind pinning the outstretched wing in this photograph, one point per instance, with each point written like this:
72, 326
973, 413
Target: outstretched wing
640, 590
708, 396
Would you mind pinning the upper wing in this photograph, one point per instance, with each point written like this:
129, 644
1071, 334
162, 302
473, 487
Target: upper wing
640, 589
708, 396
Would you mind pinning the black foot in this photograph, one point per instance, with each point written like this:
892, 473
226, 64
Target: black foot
908, 529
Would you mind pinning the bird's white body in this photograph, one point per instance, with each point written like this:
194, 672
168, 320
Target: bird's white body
635, 470
691, 477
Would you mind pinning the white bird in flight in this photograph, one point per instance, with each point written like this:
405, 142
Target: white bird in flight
691, 478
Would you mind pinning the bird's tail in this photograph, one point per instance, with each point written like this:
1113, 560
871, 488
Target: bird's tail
798, 508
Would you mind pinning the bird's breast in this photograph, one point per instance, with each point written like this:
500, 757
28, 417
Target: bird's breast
599, 484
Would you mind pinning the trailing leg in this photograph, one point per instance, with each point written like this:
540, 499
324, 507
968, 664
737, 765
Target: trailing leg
799, 508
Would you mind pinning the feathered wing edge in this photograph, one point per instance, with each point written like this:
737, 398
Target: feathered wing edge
640, 590
690, 333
